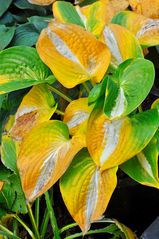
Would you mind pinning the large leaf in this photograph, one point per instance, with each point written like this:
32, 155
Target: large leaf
145, 29
45, 154
82, 56
143, 168
146, 8
21, 67
86, 190
6, 34
65, 12
125, 91
76, 114
111, 143
4, 5
36, 107
114, 36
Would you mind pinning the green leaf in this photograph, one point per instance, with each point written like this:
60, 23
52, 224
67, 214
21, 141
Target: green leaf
4, 5
39, 22
12, 197
24, 4
7, 19
128, 87
4, 173
6, 34
97, 91
8, 153
21, 67
66, 12
26, 34
143, 168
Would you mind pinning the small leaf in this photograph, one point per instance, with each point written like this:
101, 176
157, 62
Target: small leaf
125, 91
65, 12
145, 29
76, 114
36, 107
4, 5
8, 153
41, 2
21, 67
143, 168
1, 185
6, 34
114, 36
64, 44
26, 35
111, 143
86, 191
45, 154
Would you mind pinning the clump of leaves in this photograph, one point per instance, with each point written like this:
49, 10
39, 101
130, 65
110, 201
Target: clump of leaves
103, 129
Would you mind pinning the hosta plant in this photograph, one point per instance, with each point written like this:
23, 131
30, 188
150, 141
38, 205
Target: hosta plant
97, 51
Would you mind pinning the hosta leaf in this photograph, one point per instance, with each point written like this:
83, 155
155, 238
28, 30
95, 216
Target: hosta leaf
26, 34
41, 2
145, 7
64, 44
8, 153
4, 5
65, 12
114, 36
125, 90
24, 4
129, 234
21, 67
76, 114
6, 34
45, 154
1, 185
155, 105
119, 5
86, 190
36, 107
145, 29
39, 22
12, 197
111, 143
143, 168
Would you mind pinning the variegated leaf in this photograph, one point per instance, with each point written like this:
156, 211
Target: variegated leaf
111, 143
21, 67
86, 190
76, 114
45, 154
145, 7
41, 2
145, 29
81, 55
36, 107
114, 36
125, 91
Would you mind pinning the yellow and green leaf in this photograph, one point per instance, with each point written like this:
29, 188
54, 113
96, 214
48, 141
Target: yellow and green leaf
86, 190
145, 29
143, 168
36, 107
21, 67
111, 143
65, 12
45, 154
129, 234
41, 2
81, 55
114, 37
125, 91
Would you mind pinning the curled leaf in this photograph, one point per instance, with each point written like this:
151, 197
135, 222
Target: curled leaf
81, 55
111, 143
86, 190
36, 107
45, 154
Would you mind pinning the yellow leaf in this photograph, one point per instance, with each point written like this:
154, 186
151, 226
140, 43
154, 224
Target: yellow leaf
45, 154
146, 7
36, 107
1, 185
86, 190
73, 55
119, 5
41, 2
